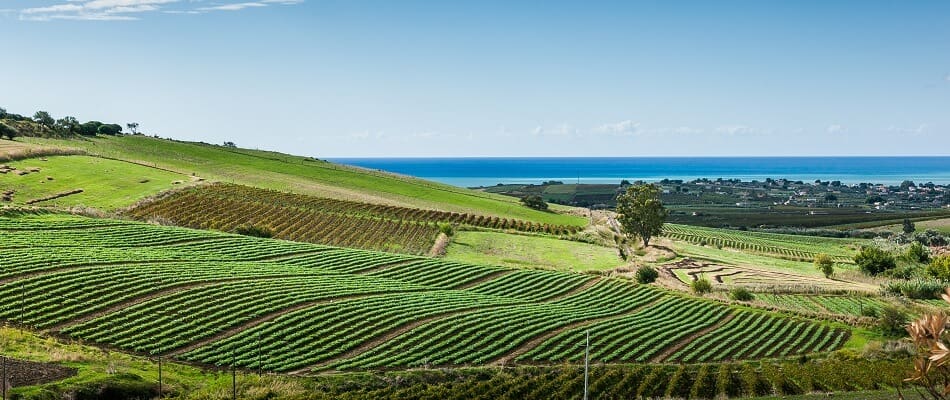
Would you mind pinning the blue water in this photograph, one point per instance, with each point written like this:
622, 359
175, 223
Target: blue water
470, 172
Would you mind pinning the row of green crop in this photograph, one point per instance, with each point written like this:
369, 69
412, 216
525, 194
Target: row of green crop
758, 335
438, 274
532, 285
637, 337
319, 333
803, 248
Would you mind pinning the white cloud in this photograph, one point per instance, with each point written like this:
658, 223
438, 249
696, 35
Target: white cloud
112, 10
918, 130
736, 129
835, 128
622, 128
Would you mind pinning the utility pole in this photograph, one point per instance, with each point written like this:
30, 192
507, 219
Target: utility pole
260, 362
3, 380
586, 362
159, 376
233, 378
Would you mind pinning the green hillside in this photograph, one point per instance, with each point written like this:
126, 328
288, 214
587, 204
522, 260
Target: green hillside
145, 288
305, 175
105, 184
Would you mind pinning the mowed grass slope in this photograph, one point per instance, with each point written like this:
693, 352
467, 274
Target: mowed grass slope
146, 288
530, 251
306, 175
106, 184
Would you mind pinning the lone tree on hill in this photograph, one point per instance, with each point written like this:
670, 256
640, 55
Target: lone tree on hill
641, 213
43, 118
133, 127
535, 202
8, 131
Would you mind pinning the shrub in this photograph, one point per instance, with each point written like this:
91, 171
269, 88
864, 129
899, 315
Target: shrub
892, 320
447, 229
917, 253
825, 264
915, 288
939, 267
701, 286
873, 260
647, 274
535, 202
740, 293
255, 231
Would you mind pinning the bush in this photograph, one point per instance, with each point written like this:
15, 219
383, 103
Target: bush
535, 202
873, 260
939, 267
740, 293
255, 231
647, 274
825, 264
892, 320
701, 286
917, 253
915, 288
447, 229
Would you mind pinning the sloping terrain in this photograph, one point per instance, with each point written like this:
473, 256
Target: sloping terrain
305, 175
211, 297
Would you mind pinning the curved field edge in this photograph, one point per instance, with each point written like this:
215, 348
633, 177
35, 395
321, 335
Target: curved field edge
305, 175
138, 376
535, 301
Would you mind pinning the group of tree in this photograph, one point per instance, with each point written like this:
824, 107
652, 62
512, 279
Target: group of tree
44, 124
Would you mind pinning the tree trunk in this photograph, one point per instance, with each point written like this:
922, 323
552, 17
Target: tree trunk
646, 241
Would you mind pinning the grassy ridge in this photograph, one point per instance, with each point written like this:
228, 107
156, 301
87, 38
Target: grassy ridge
106, 184
306, 176
531, 251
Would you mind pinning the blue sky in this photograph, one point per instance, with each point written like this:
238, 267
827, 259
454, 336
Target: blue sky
494, 78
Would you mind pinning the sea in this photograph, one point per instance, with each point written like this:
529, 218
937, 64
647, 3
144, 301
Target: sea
490, 171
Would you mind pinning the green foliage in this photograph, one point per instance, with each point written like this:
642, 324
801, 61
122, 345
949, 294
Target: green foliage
43, 118
647, 274
908, 226
939, 267
90, 128
446, 229
535, 202
916, 252
740, 293
701, 285
8, 131
641, 213
873, 260
892, 320
825, 264
915, 288
109, 129
255, 231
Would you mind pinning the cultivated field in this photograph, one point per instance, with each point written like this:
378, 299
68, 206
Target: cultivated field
304, 218
791, 247
305, 175
145, 289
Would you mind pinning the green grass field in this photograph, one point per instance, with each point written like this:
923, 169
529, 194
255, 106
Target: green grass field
106, 184
306, 176
530, 251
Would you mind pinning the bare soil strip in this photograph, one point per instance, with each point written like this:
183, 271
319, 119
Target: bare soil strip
55, 196
669, 351
537, 340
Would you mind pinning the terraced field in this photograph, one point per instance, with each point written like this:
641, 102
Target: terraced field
312, 219
760, 279
854, 306
267, 304
791, 247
